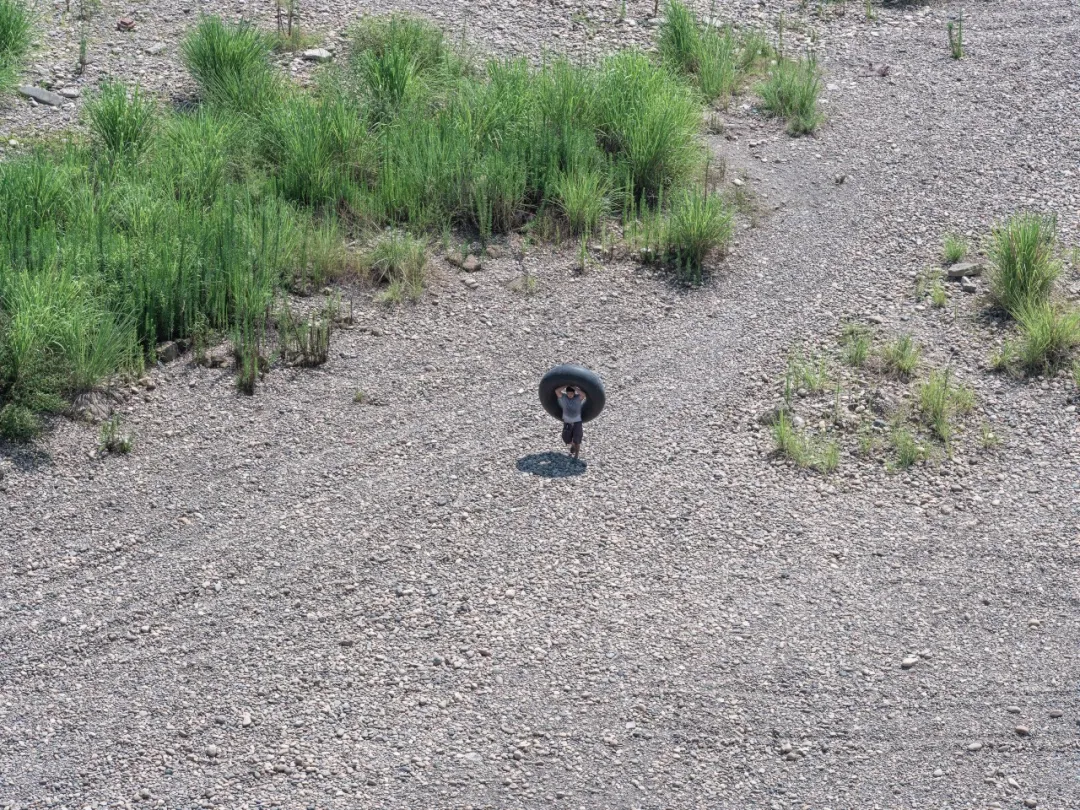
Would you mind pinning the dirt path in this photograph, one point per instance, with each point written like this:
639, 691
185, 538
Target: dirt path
294, 600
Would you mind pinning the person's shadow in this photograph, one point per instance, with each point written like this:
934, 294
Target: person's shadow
551, 465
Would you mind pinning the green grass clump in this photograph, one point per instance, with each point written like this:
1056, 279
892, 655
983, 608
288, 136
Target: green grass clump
901, 356
582, 196
938, 297
122, 121
699, 224
821, 455
1025, 266
231, 65
113, 439
856, 340
804, 373
16, 37
399, 261
791, 92
907, 448
955, 248
940, 399
1049, 336
716, 60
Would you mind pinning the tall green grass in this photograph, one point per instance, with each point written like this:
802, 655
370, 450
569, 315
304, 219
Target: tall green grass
1025, 266
16, 36
214, 211
231, 65
715, 59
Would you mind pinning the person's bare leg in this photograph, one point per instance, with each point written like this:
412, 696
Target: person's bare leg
574, 448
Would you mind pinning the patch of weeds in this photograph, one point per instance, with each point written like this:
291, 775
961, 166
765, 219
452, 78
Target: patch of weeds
823, 456
867, 443
1048, 336
1025, 266
122, 121
306, 341
940, 399
955, 32
359, 397
856, 341
805, 374
16, 37
1076, 375
938, 296
955, 248
988, 437
901, 356
791, 92
907, 448
113, 439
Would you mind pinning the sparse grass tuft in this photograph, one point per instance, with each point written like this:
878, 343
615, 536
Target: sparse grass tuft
791, 92
1024, 263
856, 343
955, 33
940, 399
823, 456
955, 248
1049, 335
908, 450
399, 261
988, 437
901, 356
938, 297
812, 376
113, 439
16, 37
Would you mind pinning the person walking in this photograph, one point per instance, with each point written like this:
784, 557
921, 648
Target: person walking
571, 400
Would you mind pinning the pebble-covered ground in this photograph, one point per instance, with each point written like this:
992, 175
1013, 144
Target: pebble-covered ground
298, 600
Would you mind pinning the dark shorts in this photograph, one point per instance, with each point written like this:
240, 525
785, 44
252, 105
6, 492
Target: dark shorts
572, 433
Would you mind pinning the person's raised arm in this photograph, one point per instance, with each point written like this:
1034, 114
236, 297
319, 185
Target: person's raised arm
560, 391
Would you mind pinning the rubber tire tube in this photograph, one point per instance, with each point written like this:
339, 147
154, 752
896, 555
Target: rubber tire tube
587, 381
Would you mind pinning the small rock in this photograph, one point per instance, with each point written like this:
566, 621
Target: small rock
967, 285
839, 179
212, 751
876, 319
471, 264
69, 92
168, 351
144, 793
975, 746
245, 719
454, 258
494, 252
938, 773
318, 55
1030, 803
156, 48
909, 662
965, 269
1012, 709
1023, 731
125, 24
346, 642
735, 181
41, 95
470, 283
1055, 713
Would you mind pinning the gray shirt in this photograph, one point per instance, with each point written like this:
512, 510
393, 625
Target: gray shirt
571, 408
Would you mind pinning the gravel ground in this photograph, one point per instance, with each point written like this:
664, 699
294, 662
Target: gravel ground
295, 600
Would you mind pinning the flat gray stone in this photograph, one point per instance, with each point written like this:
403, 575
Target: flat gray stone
70, 92
961, 269
41, 95
318, 55
156, 48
